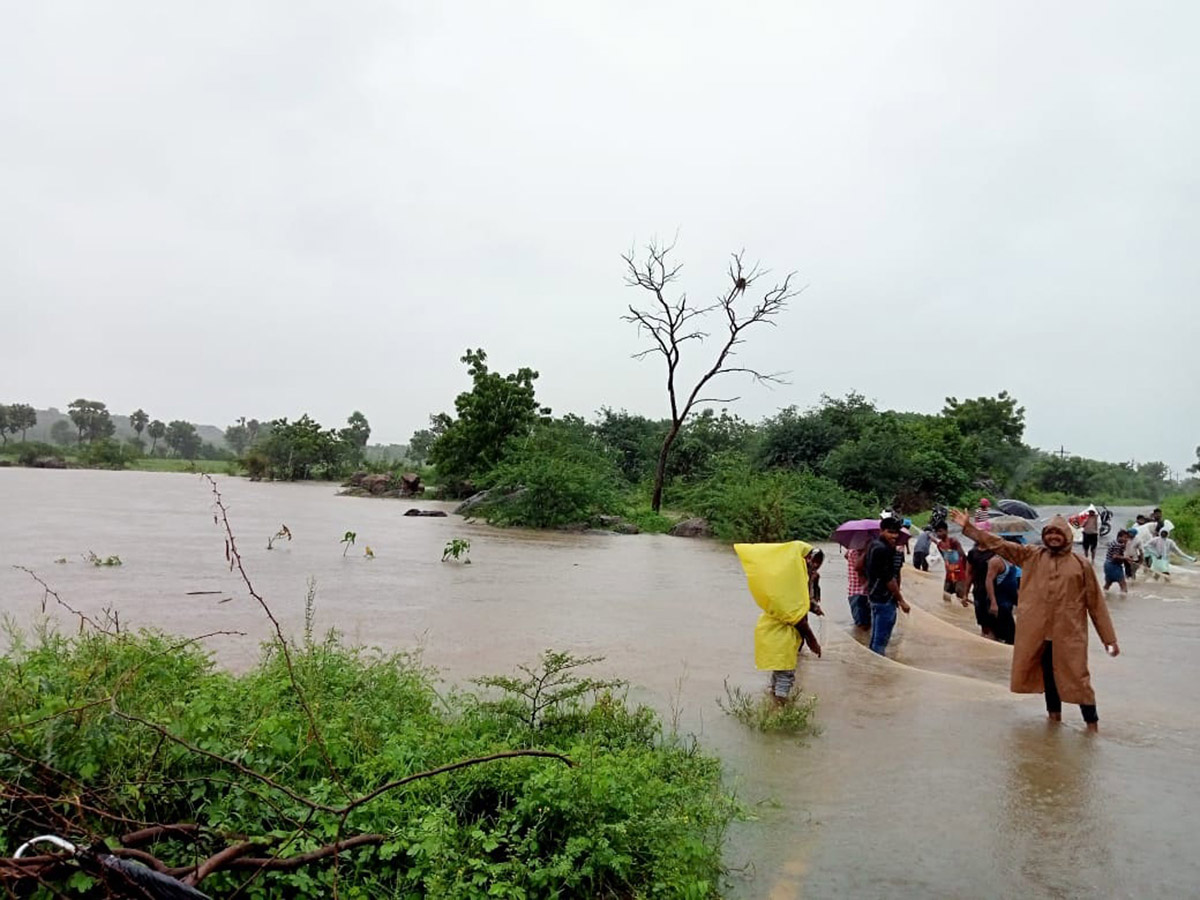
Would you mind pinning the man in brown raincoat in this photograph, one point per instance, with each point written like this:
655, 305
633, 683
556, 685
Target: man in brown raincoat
1058, 592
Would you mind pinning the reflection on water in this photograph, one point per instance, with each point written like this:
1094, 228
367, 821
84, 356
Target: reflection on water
929, 778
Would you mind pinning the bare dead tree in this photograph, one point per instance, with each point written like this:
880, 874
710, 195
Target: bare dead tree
671, 323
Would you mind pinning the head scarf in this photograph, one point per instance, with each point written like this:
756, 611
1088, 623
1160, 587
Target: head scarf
1059, 524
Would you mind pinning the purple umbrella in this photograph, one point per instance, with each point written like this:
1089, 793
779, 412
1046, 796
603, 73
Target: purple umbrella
857, 533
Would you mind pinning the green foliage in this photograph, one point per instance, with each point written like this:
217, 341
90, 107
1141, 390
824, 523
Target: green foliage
16, 417
743, 504
92, 420
762, 713
91, 558
348, 541
1086, 480
547, 687
182, 438
496, 409
138, 420
30, 452
237, 436
157, 431
703, 438
638, 816
357, 431
107, 453
300, 450
633, 441
1184, 512
648, 521
457, 549
559, 474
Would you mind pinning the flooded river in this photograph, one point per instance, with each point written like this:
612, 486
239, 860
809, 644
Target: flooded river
929, 779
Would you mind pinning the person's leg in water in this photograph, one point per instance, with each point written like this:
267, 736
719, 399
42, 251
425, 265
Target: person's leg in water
1053, 702
883, 620
782, 682
1006, 627
1114, 573
860, 610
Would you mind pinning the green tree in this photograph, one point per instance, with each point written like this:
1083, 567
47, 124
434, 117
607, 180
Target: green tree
357, 431
92, 419
419, 444
671, 324
634, 440
181, 437
157, 430
296, 451
1195, 467
238, 436
21, 417
138, 420
496, 408
795, 440
62, 433
5, 423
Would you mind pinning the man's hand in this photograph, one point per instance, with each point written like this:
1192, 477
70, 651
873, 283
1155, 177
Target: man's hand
1113, 650
816, 610
959, 517
994, 609
903, 604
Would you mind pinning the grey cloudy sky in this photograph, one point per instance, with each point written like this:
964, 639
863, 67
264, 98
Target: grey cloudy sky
222, 209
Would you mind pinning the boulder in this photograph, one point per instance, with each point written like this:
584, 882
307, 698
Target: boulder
626, 528
376, 484
692, 528
49, 462
468, 506
410, 484
607, 521
356, 479
426, 513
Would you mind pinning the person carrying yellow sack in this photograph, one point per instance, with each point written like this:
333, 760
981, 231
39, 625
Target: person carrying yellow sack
779, 576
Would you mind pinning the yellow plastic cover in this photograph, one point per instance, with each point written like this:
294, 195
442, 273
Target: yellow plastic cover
778, 580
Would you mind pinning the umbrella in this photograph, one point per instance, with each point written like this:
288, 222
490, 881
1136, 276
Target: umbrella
1012, 525
1018, 508
857, 533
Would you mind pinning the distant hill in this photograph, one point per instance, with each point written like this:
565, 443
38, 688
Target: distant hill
47, 417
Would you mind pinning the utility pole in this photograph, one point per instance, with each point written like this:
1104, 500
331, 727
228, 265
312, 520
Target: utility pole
1060, 452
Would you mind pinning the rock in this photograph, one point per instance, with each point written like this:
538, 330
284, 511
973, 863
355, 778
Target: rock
626, 528
607, 521
426, 513
49, 462
376, 484
410, 484
692, 528
356, 479
468, 506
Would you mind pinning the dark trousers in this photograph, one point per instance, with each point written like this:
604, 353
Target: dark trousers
1004, 627
920, 560
1053, 701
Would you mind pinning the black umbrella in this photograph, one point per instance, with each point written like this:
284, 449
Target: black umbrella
1018, 508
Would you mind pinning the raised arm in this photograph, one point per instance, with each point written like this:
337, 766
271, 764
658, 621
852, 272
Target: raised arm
1017, 554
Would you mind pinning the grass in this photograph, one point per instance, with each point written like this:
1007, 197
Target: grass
761, 713
162, 464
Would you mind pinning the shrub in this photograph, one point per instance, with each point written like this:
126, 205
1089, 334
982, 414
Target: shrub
1184, 513
638, 816
558, 475
782, 505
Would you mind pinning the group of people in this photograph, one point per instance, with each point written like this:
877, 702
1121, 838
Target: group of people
1145, 545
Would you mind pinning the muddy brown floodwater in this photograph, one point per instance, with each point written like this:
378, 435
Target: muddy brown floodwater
929, 779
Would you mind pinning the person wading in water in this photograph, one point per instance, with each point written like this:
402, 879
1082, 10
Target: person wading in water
1059, 591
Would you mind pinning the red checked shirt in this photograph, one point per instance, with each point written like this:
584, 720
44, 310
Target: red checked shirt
856, 583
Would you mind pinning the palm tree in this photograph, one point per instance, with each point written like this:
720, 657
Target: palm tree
138, 421
156, 430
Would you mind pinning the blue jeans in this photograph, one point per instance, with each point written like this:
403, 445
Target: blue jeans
883, 620
860, 610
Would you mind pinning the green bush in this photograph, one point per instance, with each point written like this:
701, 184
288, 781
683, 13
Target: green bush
1184, 513
28, 452
742, 504
558, 475
106, 453
638, 816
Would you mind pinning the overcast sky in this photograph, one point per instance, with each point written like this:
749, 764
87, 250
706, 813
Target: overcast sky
266, 208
